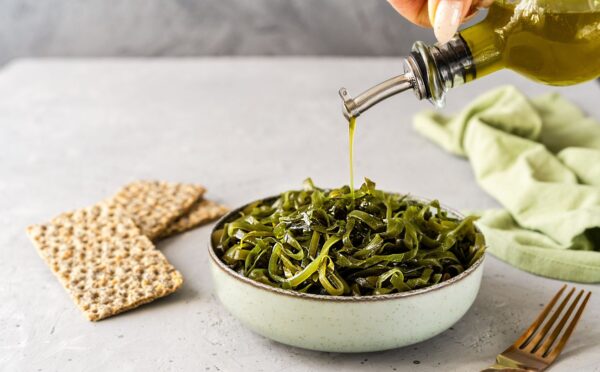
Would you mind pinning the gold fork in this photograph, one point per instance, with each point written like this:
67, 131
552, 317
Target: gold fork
534, 350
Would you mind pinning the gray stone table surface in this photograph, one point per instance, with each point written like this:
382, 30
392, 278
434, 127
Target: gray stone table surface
73, 131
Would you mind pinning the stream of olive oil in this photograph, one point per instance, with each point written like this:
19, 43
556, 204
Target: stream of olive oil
351, 127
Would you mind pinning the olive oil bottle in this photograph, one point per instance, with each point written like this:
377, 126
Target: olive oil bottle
552, 46
555, 42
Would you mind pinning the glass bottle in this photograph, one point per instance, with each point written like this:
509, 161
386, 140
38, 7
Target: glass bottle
553, 42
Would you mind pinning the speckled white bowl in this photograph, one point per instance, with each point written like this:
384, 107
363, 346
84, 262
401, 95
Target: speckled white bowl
344, 324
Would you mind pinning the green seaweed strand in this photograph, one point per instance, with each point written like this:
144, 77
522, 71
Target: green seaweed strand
324, 241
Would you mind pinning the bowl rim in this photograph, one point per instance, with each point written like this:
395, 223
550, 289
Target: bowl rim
328, 298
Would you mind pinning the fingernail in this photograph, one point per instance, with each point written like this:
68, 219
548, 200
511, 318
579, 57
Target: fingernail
447, 19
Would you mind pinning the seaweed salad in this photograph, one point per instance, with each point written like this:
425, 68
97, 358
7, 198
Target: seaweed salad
330, 242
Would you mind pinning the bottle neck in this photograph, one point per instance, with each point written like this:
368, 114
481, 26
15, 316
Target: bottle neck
485, 47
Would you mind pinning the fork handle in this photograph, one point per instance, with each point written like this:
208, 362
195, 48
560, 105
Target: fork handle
498, 367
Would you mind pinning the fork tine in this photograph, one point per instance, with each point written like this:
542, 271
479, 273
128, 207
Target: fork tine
542, 348
535, 325
563, 340
536, 341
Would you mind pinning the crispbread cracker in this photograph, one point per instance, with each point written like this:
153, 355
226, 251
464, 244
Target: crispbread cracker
103, 261
202, 211
153, 205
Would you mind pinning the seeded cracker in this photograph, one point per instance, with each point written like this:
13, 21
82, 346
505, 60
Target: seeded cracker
103, 261
153, 205
202, 211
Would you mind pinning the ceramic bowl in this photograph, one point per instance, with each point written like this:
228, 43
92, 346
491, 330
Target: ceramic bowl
344, 324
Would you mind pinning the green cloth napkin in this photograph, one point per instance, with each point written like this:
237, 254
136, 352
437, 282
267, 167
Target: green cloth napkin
540, 158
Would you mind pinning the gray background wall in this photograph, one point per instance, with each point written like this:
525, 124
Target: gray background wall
202, 27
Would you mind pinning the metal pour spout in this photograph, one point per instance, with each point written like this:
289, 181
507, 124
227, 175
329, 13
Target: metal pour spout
430, 71
353, 107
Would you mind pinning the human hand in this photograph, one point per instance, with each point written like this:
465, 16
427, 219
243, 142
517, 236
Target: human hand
443, 15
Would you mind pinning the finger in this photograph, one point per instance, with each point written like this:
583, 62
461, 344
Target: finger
476, 5
469, 7
446, 16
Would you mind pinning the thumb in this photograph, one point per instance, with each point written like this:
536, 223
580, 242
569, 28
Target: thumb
446, 16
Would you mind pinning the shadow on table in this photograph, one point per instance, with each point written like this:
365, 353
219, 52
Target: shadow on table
185, 294
580, 343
